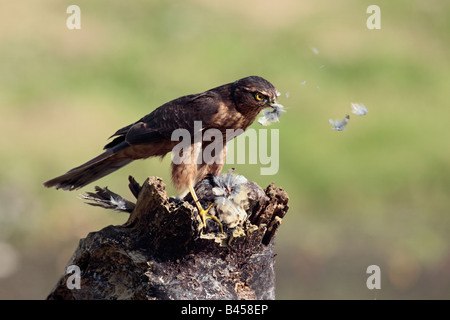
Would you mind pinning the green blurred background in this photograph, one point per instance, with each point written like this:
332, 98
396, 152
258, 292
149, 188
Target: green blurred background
376, 193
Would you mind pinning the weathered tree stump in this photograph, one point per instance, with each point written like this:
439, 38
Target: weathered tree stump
162, 251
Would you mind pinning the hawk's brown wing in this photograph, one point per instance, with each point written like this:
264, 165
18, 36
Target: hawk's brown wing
176, 114
150, 136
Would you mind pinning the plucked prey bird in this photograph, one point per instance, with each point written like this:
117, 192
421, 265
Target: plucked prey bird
234, 197
231, 106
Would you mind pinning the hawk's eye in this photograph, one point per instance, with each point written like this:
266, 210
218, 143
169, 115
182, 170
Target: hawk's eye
259, 96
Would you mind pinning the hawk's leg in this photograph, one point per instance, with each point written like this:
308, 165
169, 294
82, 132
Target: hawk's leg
202, 212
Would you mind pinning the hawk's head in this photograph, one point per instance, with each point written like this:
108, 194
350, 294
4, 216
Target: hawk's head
252, 94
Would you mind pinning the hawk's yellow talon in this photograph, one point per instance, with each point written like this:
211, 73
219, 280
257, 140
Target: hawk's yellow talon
204, 215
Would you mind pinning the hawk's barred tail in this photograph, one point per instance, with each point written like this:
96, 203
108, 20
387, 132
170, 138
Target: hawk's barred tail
89, 172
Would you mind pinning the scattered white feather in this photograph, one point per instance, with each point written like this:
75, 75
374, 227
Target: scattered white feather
271, 116
359, 109
118, 203
218, 192
339, 125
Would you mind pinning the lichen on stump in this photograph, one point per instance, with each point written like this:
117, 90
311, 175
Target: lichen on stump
163, 252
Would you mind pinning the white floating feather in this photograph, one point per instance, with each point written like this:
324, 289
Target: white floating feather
359, 109
339, 125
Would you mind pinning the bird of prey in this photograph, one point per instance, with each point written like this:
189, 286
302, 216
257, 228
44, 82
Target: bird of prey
231, 106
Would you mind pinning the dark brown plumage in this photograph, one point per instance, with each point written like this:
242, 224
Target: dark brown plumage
230, 106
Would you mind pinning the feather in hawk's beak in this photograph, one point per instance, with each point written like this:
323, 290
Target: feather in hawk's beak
270, 116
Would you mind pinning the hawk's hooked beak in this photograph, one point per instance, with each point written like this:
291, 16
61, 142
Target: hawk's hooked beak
273, 103
273, 100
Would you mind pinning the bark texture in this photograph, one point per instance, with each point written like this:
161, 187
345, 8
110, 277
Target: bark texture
163, 252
